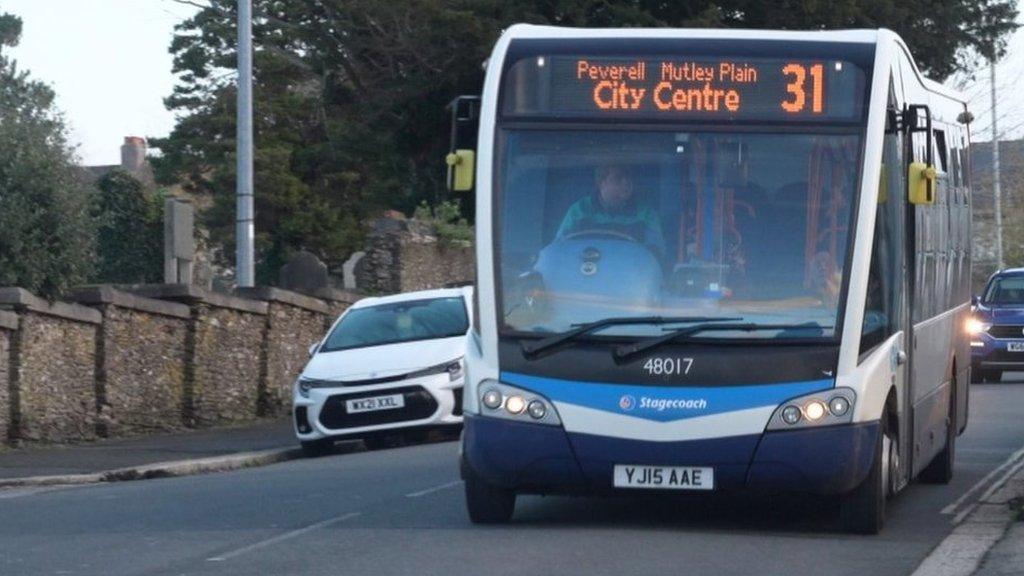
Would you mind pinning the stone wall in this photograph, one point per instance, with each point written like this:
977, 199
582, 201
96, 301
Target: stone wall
128, 360
141, 362
408, 255
294, 322
8, 324
225, 353
337, 302
53, 388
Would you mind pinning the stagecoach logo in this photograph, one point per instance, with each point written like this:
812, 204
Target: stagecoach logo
627, 402
588, 268
650, 404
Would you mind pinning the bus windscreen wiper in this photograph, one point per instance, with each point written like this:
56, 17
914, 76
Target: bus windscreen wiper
549, 342
628, 350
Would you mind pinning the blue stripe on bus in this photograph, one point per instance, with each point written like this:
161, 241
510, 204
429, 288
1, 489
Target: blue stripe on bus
664, 403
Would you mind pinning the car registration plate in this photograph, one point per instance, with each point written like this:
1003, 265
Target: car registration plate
664, 477
375, 403
1015, 346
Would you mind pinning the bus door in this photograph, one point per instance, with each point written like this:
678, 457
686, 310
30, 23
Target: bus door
892, 263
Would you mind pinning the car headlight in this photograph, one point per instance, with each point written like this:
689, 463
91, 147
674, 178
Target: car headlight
823, 408
975, 326
454, 368
304, 385
503, 401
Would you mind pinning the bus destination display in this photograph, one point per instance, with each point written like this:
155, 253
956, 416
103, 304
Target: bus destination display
691, 88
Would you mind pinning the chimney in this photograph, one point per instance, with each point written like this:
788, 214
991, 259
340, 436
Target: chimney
133, 154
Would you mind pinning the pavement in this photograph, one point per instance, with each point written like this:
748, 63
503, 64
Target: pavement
401, 511
115, 459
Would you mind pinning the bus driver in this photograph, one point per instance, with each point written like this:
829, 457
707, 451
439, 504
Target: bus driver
615, 208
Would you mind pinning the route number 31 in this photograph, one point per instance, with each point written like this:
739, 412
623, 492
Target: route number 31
796, 88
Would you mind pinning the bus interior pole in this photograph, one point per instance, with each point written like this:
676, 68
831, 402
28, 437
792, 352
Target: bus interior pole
996, 192
245, 213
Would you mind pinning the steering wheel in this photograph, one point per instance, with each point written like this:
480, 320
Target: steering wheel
601, 232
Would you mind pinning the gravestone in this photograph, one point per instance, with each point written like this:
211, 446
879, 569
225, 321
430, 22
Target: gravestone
349, 270
304, 273
179, 241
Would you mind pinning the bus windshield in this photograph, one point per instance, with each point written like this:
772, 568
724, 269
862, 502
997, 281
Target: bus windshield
610, 223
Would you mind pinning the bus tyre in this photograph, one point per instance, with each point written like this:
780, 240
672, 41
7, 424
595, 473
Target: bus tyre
940, 470
486, 503
862, 511
317, 448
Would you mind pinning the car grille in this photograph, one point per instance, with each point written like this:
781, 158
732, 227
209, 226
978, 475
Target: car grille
1006, 331
419, 404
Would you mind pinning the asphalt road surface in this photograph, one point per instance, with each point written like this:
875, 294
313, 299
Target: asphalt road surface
400, 511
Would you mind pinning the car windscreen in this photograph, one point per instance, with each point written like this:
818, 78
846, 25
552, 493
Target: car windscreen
1006, 290
397, 322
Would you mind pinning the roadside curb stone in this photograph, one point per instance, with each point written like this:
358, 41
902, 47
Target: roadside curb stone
161, 469
990, 540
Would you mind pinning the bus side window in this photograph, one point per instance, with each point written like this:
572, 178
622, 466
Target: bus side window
883, 300
940, 148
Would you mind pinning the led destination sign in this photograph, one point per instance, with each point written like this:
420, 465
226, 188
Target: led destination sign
679, 87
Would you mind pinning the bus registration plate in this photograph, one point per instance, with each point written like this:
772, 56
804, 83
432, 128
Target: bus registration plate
664, 477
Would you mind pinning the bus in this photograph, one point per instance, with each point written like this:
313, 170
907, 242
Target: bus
716, 261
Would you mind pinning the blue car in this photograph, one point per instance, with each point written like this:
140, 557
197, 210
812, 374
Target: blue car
997, 327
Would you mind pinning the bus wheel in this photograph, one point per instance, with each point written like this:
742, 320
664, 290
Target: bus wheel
486, 503
940, 470
862, 511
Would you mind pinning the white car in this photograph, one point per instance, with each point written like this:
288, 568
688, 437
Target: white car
389, 365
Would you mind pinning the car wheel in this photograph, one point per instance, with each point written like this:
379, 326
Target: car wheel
862, 511
486, 503
940, 469
994, 376
977, 375
317, 448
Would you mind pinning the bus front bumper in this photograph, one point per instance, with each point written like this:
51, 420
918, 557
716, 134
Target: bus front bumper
533, 458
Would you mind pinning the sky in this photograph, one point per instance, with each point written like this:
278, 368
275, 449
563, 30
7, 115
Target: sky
108, 62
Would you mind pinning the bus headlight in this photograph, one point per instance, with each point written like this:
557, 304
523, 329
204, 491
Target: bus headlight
499, 400
823, 408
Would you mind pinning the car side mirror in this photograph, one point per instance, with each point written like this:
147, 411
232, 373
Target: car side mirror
975, 300
313, 347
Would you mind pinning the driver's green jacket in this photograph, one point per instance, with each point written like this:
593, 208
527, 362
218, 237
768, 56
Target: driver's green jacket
639, 221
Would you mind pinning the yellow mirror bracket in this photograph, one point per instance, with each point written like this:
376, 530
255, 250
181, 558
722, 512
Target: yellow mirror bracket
921, 183
461, 165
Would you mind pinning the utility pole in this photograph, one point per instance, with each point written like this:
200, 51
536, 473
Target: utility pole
245, 214
996, 193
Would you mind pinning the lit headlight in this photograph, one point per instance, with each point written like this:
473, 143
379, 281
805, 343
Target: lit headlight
500, 400
975, 326
819, 409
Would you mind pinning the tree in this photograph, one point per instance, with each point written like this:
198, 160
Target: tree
350, 95
129, 238
46, 234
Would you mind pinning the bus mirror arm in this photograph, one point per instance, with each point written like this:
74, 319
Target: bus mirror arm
922, 175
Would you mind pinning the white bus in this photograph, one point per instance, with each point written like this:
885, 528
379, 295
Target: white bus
713, 260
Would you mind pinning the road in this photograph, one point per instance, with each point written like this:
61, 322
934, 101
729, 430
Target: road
400, 511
